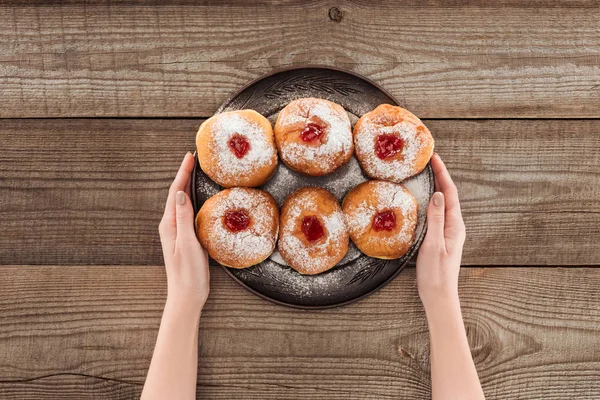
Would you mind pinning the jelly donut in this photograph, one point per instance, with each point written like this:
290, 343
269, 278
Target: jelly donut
392, 143
238, 227
314, 136
381, 218
312, 235
237, 148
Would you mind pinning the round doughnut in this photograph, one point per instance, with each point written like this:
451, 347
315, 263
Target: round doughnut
238, 227
314, 136
312, 235
392, 143
381, 218
237, 148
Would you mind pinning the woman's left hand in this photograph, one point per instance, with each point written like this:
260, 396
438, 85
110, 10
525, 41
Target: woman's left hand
186, 261
174, 368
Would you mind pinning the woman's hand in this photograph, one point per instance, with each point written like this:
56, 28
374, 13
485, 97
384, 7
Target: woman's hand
438, 262
186, 261
173, 370
453, 373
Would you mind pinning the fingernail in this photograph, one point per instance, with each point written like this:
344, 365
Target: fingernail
438, 199
180, 198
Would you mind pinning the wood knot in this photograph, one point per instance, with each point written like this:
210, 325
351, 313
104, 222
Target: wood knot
405, 353
335, 14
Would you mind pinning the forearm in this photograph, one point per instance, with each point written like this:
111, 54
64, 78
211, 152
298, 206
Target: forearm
173, 370
453, 373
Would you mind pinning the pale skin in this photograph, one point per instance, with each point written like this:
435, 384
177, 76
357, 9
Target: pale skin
173, 369
453, 373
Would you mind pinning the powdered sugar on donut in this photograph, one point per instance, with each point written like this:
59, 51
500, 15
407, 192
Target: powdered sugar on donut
301, 254
389, 196
312, 257
261, 153
395, 170
256, 242
338, 139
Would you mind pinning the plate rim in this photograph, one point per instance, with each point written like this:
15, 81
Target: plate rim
229, 100
227, 270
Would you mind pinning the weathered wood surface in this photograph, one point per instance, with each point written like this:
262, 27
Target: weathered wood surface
77, 192
88, 333
442, 59
92, 191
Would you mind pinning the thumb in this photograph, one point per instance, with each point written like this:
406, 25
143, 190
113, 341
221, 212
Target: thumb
184, 216
435, 219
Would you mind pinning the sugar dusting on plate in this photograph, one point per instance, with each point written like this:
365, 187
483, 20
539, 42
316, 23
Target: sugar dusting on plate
285, 181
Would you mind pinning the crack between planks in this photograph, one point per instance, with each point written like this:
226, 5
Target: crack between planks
25, 380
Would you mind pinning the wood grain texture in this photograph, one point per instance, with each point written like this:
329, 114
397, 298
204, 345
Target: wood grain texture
529, 189
441, 59
93, 191
88, 333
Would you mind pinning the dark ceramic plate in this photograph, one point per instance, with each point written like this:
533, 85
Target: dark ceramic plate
356, 275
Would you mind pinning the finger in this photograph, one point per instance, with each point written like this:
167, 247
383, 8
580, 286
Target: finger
168, 224
189, 169
454, 228
182, 180
188, 187
185, 216
445, 185
436, 183
435, 220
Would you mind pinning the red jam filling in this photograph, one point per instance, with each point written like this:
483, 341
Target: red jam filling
312, 228
384, 221
239, 145
311, 132
237, 221
388, 145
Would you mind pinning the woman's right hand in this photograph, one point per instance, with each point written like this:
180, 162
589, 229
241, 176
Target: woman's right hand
453, 373
438, 262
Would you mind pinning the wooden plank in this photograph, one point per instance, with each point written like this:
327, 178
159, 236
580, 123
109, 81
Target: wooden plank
93, 191
442, 59
528, 189
87, 191
88, 332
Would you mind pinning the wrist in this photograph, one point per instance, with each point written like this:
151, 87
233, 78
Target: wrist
442, 307
182, 306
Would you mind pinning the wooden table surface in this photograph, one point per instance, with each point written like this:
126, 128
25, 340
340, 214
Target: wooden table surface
100, 100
